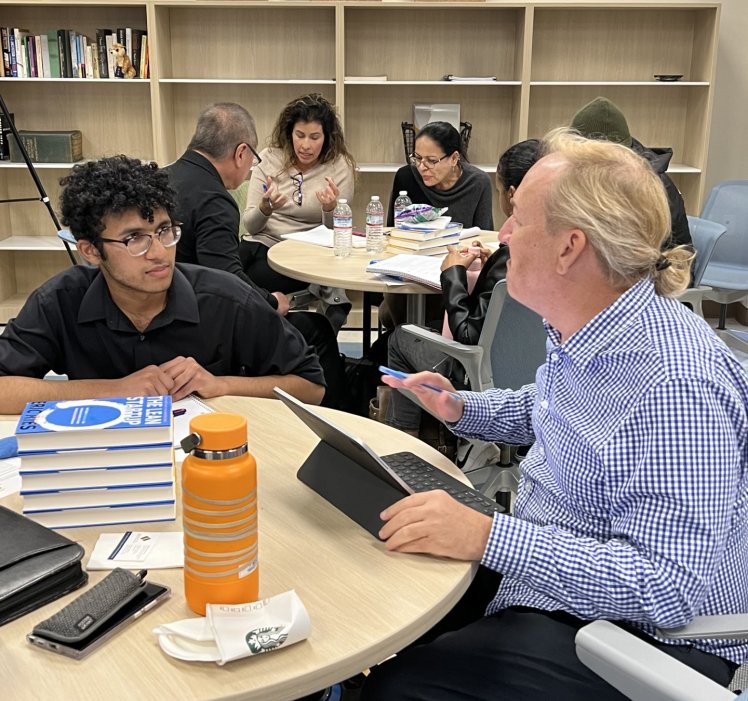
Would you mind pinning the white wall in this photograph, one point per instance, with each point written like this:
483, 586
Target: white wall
728, 148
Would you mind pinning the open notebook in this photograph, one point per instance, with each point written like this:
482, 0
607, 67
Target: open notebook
423, 269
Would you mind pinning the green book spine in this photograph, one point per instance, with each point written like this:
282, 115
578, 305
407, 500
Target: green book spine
49, 146
54, 54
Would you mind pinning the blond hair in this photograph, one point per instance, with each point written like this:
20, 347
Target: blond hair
614, 196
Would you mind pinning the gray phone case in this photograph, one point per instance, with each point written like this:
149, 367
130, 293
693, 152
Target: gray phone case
89, 611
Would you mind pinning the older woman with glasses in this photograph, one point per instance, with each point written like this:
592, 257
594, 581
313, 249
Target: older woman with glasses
303, 172
440, 175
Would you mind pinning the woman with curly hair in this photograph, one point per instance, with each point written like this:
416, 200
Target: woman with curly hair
303, 172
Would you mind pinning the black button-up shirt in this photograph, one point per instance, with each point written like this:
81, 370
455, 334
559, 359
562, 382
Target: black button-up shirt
71, 325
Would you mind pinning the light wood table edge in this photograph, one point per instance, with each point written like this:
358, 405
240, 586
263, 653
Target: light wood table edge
73, 682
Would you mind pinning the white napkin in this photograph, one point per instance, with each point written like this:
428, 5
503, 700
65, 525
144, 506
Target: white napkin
230, 632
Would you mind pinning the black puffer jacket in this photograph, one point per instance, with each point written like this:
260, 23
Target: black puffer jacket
659, 159
467, 312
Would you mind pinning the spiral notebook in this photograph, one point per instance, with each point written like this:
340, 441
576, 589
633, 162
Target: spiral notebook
409, 267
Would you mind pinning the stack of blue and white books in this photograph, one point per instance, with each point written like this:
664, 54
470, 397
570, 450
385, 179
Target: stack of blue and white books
427, 238
96, 462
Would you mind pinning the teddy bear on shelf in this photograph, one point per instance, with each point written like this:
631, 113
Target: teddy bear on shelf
123, 64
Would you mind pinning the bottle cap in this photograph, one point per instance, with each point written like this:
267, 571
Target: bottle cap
403, 192
375, 198
219, 431
343, 201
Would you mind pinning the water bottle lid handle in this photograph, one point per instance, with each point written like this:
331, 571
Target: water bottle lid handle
189, 443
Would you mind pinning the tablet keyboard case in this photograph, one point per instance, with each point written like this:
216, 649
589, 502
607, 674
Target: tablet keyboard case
37, 565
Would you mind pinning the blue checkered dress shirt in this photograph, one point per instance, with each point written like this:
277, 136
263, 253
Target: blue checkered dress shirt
633, 501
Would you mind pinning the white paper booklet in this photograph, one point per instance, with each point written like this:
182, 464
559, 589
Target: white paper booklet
321, 236
135, 550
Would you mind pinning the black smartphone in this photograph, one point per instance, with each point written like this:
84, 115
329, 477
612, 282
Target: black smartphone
149, 596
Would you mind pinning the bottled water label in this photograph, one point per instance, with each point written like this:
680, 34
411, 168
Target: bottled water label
342, 229
400, 204
374, 226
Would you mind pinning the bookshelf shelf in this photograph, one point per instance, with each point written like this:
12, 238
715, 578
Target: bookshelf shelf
440, 83
393, 167
252, 81
622, 83
550, 60
77, 81
32, 243
38, 166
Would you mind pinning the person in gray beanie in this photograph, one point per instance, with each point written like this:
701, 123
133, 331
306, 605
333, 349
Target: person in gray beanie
601, 119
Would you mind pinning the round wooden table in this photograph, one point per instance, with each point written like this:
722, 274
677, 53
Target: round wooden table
364, 603
317, 264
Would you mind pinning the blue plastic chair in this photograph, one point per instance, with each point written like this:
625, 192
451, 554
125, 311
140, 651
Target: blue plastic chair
705, 235
727, 271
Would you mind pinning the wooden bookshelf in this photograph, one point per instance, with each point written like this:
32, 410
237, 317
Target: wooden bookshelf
548, 61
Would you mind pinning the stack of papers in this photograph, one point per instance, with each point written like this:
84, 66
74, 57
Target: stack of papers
10, 481
184, 411
322, 236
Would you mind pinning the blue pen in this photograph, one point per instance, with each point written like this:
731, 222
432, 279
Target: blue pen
404, 375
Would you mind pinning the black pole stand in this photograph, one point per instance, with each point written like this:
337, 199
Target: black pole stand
42, 193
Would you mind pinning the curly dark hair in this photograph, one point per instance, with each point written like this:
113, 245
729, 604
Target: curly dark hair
112, 185
311, 108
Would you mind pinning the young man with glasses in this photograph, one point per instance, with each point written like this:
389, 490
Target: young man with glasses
134, 322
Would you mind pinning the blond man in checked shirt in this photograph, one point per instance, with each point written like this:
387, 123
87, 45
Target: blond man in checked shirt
633, 502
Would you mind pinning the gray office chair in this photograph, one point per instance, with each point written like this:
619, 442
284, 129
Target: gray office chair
727, 271
705, 235
644, 673
511, 347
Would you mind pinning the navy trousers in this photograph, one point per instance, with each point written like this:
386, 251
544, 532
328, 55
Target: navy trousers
518, 654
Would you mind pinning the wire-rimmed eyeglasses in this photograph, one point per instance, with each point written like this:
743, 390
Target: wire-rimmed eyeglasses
297, 180
139, 243
256, 160
426, 161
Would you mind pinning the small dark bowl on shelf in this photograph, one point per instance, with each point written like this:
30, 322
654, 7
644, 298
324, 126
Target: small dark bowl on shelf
668, 77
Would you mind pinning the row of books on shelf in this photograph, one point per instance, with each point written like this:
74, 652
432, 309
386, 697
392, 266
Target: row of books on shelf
98, 461
65, 53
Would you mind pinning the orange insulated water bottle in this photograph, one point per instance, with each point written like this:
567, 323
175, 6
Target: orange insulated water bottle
219, 513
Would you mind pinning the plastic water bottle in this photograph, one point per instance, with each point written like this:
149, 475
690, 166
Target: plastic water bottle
219, 513
374, 225
342, 224
401, 202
